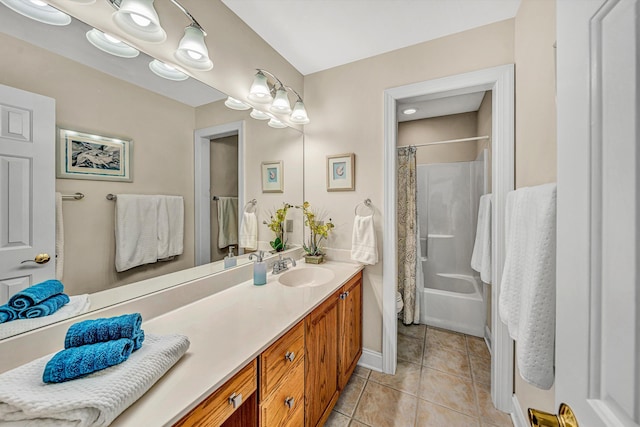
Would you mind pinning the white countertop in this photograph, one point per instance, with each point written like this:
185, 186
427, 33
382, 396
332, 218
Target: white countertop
227, 330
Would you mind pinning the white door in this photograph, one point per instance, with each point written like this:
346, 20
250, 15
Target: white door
598, 289
27, 189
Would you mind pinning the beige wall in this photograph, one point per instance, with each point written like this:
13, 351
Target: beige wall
346, 105
454, 126
535, 127
223, 182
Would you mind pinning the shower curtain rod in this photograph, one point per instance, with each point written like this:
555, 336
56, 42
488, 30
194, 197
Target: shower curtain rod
475, 138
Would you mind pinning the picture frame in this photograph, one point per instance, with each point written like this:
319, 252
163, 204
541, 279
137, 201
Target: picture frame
341, 172
82, 155
272, 177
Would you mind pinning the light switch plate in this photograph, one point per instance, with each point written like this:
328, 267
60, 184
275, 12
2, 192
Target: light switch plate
289, 225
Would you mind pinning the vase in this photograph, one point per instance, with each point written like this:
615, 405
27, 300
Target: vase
314, 259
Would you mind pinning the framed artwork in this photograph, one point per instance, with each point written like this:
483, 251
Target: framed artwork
86, 156
341, 172
272, 177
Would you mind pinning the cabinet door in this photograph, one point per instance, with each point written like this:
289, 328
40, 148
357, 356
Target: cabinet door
350, 322
321, 361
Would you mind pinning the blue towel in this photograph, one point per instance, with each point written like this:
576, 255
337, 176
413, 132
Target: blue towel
77, 362
35, 294
45, 308
138, 340
100, 330
7, 314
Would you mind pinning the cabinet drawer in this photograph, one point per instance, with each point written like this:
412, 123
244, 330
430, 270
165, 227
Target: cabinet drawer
281, 405
274, 363
216, 408
297, 419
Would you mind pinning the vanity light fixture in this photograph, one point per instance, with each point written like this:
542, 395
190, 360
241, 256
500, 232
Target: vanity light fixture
39, 11
167, 71
409, 111
263, 92
281, 102
109, 44
84, 1
259, 115
192, 51
235, 104
260, 90
275, 123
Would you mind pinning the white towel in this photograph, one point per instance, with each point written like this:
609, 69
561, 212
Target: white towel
136, 230
77, 304
59, 237
170, 226
227, 221
481, 258
363, 242
527, 299
94, 400
249, 231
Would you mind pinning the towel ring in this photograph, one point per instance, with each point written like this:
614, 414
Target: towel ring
251, 204
367, 203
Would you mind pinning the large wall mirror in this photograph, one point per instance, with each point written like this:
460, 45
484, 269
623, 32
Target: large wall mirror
102, 94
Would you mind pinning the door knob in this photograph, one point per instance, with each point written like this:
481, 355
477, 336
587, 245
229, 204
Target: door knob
565, 418
39, 259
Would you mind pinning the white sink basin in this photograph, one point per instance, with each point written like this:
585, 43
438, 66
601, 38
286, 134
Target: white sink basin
306, 277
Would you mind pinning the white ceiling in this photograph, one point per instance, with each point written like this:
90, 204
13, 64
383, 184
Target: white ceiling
315, 35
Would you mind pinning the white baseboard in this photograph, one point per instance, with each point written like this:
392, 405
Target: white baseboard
518, 418
371, 359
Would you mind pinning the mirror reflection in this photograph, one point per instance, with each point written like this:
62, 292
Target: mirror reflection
100, 94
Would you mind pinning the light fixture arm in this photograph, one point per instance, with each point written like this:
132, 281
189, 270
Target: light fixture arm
116, 5
289, 88
270, 74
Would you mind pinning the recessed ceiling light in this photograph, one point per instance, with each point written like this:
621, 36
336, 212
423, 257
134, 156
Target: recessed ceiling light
409, 111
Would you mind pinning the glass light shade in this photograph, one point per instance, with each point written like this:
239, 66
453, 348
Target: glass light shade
259, 115
234, 104
139, 19
299, 114
38, 11
260, 91
275, 123
167, 71
192, 51
110, 44
281, 102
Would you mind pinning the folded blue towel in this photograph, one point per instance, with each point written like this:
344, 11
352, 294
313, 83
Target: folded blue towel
100, 330
45, 308
77, 362
138, 340
35, 294
7, 314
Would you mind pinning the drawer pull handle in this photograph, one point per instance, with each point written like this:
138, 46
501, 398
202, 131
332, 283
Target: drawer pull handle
290, 402
290, 356
235, 400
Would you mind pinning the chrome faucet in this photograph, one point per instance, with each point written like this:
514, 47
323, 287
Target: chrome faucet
280, 264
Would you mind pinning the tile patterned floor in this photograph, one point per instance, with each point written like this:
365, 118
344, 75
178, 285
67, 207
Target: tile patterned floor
442, 380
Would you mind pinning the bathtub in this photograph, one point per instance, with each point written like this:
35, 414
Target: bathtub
454, 302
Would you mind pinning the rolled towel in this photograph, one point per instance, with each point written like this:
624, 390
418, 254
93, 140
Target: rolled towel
35, 294
7, 314
77, 362
138, 340
105, 329
45, 308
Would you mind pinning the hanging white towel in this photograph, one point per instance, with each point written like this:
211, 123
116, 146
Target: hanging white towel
59, 237
363, 242
136, 230
170, 227
481, 258
227, 221
527, 298
249, 231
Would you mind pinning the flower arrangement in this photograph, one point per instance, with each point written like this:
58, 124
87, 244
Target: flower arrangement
318, 230
276, 225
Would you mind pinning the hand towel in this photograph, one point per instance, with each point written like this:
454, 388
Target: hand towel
527, 298
45, 308
170, 227
481, 257
76, 362
35, 294
59, 237
136, 230
7, 313
363, 241
227, 221
249, 231
104, 329
94, 400
78, 304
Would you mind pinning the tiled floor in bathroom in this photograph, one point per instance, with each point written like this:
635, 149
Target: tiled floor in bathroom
442, 380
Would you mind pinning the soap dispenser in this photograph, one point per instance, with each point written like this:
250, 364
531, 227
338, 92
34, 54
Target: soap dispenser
259, 268
230, 260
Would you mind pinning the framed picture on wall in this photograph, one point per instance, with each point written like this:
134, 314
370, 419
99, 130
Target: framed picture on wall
341, 172
86, 156
272, 177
